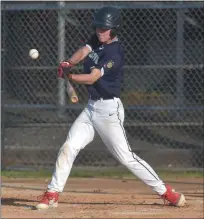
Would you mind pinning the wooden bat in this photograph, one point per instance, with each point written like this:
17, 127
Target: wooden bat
71, 92
69, 88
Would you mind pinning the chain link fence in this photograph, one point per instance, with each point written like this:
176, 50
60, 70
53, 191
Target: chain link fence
162, 89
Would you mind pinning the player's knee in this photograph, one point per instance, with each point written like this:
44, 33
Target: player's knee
68, 149
122, 159
77, 143
123, 162
67, 145
71, 146
126, 160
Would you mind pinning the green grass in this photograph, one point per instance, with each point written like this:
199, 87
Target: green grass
25, 173
102, 172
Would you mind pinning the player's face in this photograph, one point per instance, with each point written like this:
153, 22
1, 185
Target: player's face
103, 35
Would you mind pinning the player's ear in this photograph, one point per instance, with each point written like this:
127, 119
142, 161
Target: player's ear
113, 32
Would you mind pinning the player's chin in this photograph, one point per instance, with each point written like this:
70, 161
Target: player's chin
102, 39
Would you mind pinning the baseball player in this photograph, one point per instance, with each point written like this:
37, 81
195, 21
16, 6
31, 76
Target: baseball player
103, 58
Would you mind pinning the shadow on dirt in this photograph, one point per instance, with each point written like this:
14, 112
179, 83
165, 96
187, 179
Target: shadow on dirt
14, 202
24, 203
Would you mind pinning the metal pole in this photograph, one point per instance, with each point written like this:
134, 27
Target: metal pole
2, 91
2, 117
61, 57
180, 61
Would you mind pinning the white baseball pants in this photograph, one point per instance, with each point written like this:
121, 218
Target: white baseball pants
106, 117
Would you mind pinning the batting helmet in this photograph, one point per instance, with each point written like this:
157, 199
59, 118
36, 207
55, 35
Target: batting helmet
108, 18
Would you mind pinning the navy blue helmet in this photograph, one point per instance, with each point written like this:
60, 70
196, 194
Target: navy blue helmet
107, 18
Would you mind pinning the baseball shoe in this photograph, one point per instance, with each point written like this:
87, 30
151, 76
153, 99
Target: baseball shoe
174, 198
48, 200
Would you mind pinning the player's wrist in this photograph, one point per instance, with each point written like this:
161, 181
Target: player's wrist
71, 62
70, 76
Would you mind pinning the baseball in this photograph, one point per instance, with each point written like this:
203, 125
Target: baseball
33, 53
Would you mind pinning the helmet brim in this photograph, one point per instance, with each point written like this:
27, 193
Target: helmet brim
101, 25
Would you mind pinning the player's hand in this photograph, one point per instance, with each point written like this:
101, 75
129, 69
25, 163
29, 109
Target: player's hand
64, 67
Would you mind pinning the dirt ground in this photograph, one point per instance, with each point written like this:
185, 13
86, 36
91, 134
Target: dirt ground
99, 198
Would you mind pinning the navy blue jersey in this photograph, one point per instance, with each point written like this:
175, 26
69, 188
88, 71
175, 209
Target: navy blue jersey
109, 59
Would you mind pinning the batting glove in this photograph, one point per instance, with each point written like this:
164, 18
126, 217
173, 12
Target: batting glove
64, 66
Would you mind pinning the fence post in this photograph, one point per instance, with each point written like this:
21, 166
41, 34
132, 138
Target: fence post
179, 61
2, 127
61, 57
2, 91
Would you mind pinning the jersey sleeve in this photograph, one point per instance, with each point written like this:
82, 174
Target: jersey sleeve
108, 64
93, 42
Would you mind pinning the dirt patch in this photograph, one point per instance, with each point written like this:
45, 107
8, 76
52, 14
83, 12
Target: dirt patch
99, 198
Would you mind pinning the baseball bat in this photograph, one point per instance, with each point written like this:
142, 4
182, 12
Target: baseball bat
69, 88
71, 92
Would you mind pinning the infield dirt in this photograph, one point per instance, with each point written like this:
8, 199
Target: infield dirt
99, 198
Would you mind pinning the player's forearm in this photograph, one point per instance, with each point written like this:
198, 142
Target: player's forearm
79, 55
82, 78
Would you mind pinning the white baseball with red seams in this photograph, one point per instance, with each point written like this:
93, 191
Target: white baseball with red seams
33, 53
